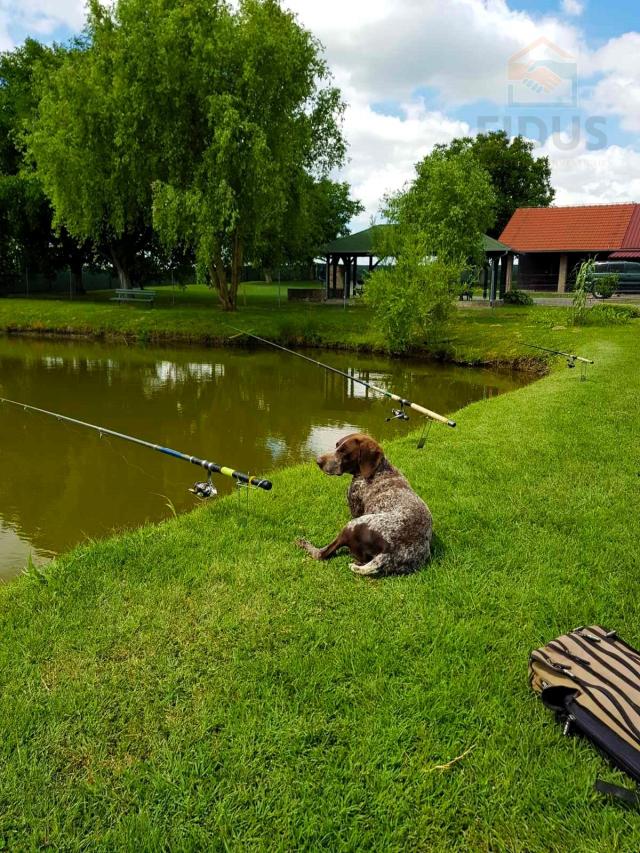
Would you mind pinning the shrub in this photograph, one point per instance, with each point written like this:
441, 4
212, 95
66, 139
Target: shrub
604, 286
612, 315
517, 297
412, 300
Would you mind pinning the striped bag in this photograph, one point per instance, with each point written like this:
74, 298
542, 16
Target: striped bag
590, 678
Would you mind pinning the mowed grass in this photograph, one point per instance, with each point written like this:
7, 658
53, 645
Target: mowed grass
476, 335
202, 684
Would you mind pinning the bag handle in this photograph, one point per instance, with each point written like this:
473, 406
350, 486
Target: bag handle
626, 795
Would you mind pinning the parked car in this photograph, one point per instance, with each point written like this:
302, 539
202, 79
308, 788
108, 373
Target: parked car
628, 273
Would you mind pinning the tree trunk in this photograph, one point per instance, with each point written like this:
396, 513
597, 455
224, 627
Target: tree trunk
267, 275
124, 276
218, 276
77, 286
236, 270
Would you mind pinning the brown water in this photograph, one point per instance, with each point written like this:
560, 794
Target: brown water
254, 411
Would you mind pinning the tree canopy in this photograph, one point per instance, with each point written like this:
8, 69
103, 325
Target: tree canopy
317, 213
260, 118
435, 232
25, 214
519, 178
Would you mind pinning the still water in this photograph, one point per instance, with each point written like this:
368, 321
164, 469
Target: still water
252, 410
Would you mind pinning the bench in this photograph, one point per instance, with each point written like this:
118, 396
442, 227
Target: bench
135, 295
466, 294
304, 294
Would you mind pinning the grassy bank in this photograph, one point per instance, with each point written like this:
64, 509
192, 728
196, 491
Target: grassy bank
204, 685
476, 335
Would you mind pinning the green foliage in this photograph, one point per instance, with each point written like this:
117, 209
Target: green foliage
580, 308
96, 138
517, 297
436, 231
443, 213
519, 178
317, 212
605, 285
413, 300
611, 315
631, 311
26, 235
259, 118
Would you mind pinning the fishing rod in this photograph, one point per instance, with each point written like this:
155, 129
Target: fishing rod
571, 359
398, 414
568, 355
202, 490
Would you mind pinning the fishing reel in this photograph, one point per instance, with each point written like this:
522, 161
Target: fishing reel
398, 415
204, 491
571, 363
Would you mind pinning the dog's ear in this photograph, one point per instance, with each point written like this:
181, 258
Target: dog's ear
348, 451
371, 455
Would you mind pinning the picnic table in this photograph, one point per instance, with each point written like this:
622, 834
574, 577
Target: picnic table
134, 295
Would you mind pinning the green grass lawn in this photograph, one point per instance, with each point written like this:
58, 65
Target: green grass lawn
193, 316
202, 684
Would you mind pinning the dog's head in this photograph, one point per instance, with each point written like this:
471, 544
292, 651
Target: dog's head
354, 454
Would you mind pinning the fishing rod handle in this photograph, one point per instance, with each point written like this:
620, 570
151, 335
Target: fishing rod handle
433, 415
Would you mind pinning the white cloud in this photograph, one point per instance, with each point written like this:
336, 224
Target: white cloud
385, 148
389, 49
581, 176
6, 43
572, 7
618, 92
40, 18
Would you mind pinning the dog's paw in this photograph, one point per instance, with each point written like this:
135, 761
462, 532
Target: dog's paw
366, 570
309, 548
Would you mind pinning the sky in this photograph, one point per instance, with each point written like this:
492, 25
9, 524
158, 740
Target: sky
564, 73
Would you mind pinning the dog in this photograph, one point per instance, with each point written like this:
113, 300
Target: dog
391, 528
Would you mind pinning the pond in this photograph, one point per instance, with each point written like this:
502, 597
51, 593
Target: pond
252, 410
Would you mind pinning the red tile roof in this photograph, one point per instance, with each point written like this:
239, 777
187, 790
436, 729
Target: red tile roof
626, 256
595, 228
632, 237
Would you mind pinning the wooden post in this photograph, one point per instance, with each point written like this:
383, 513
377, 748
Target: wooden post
562, 274
509, 279
494, 281
326, 278
335, 276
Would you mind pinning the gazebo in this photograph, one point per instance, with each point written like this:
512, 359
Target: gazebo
343, 256
346, 254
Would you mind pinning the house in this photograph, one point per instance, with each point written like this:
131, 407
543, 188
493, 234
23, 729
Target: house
347, 258
551, 242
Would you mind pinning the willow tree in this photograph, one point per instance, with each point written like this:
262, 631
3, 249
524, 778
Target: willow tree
259, 115
98, 139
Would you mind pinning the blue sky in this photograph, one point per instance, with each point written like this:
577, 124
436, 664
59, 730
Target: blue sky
418, 72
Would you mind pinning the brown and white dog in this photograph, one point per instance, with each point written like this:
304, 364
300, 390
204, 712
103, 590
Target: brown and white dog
391, 528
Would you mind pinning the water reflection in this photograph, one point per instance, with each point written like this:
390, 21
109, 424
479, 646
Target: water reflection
251, 410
